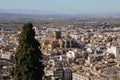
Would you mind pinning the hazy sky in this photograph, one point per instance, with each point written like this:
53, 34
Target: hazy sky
64, 6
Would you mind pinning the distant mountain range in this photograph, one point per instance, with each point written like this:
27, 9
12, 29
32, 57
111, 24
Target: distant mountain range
33, 12
10, 12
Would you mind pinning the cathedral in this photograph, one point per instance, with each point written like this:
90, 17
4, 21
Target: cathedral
56, 41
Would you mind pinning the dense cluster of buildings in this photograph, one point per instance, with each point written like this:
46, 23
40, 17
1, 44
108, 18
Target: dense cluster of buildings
8, 45
69, 53
81, 54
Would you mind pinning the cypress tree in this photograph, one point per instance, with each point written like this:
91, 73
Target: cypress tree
28, 65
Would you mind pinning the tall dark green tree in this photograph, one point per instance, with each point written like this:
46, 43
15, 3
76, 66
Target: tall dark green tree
28, 65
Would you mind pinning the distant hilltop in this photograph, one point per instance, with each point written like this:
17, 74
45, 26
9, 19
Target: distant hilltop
30, 12
43, 12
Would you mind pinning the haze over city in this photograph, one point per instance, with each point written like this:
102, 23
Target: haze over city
71, 7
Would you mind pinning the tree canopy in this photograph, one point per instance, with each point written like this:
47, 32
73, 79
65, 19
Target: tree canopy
28, 65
